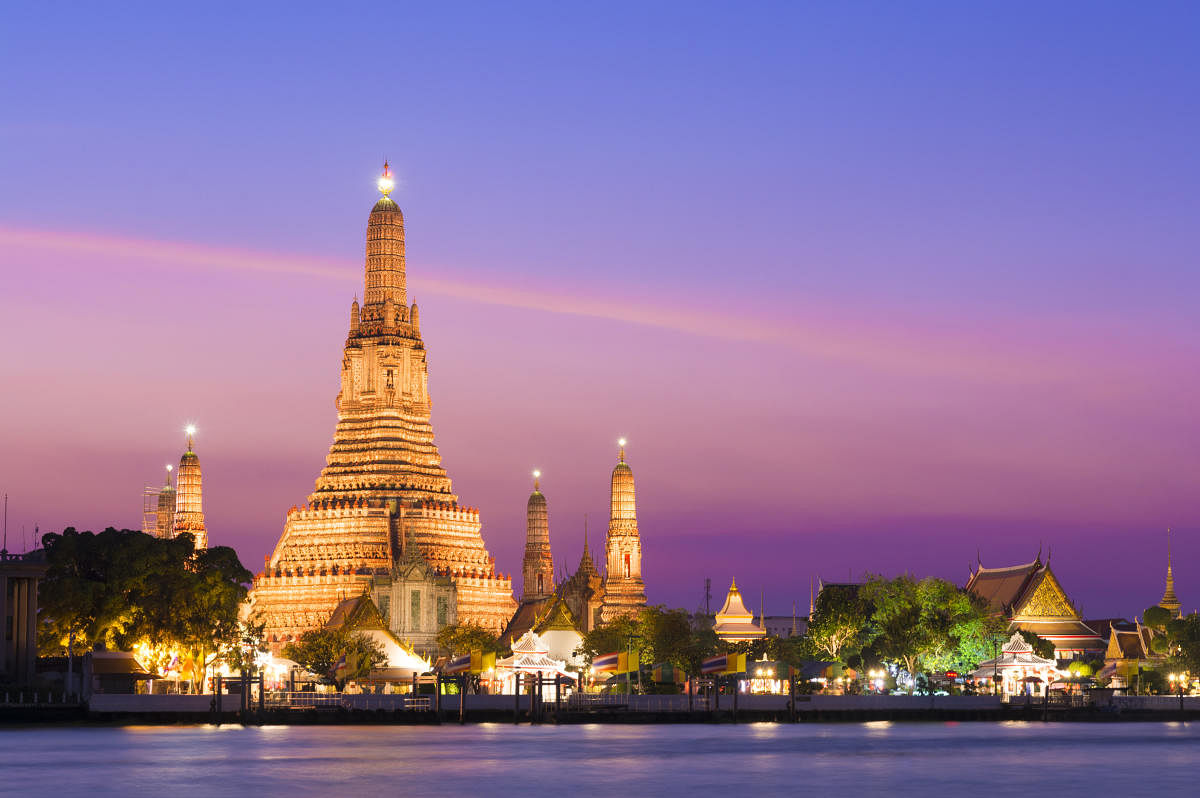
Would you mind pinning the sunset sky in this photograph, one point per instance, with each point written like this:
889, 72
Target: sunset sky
868, 287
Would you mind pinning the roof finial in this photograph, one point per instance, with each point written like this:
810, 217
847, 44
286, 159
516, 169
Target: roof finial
170, 468
621, 443
385, 182
536, 476
190, 429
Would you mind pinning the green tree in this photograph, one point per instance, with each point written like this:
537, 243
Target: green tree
463, 638
839, 621
1042, 647
896, 630
119, 588
319, 651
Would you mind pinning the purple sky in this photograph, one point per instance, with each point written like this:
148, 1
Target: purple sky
867, 290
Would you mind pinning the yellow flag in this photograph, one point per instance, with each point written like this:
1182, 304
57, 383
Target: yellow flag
622, 663
635, 661
476, 662
488, 662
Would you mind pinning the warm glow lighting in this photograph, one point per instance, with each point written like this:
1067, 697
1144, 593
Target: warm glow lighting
190, 429
385, 182
621, 442
170, 467
536, 474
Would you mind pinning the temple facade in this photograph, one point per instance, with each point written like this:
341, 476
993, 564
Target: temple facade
1032, 599
189, 505
624, 590
383, 496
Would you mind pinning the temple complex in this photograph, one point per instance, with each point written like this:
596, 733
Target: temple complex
733, 622
1032, 599
624, 590
165, 512
189, 509
383, 497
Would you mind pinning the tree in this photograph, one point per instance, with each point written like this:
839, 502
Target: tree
1042, 647
120, 588
463, 638
839, 620
320, 650
896, 630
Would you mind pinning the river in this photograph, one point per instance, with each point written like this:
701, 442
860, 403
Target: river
898, 759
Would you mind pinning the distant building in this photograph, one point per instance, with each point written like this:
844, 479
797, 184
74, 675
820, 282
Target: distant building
784, 625
1030, 597
1169, 601
624, 590
19, 576
733, 622
189, 505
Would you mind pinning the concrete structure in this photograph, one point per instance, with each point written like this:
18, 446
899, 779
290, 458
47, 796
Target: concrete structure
189, 507
19, 575
383, 495
624, 590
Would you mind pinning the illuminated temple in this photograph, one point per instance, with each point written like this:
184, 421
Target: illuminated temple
1030, 597
383, 506
189, 506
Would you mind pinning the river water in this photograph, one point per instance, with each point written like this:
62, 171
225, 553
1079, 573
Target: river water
897, 759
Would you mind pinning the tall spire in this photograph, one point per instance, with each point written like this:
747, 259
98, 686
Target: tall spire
625, 591
189, 509
385, 253
1170, 601
538, 565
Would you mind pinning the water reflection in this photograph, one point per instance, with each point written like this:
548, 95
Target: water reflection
902, 759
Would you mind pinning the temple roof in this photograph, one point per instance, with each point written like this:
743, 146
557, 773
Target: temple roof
733, 621
529, 613
1002, 588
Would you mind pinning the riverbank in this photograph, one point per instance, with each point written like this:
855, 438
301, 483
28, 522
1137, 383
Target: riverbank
338, 709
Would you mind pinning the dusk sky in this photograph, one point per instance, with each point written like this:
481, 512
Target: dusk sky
868, 287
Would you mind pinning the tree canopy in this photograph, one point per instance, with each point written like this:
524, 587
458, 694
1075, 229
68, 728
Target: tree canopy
120, 588
463, 638
320, 650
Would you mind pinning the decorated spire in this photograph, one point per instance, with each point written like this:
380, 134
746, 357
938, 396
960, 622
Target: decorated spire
537, 569
170, 468
189, 508
385, 279
386, 182
1170, 601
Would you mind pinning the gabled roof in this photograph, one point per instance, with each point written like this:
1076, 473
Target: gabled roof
528, 613
359, 614
1002, 588
557, 618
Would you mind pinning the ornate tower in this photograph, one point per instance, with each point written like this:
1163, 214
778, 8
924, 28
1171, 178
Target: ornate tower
624, 590
189, 512
166, 508
383, 494
537, 570
1170, 601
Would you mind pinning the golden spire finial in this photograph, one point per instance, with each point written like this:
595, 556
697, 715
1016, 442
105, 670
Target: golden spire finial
385, 182
536, 476
170, 468
190, 429
733, 585
621, 456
